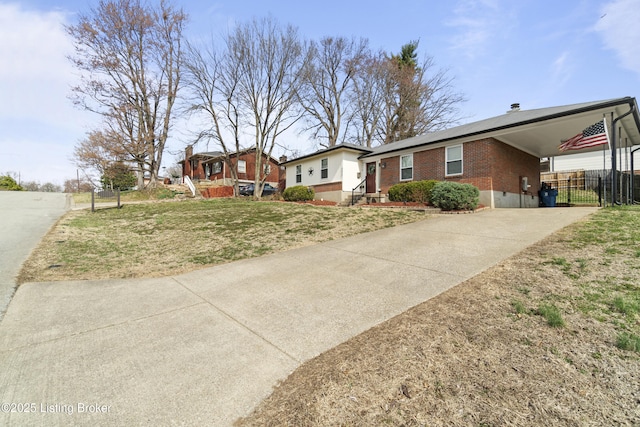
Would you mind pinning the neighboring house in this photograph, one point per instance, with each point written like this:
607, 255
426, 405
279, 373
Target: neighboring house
501, 155
211, 166
333, 173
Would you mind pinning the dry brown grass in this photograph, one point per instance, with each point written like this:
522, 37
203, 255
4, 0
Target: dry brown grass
481, 355
167, 238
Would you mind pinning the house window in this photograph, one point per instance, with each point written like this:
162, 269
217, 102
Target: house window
324, 168
242, 166
217, 167
406, 167
267, 169
207, 170
454, 160
298, 174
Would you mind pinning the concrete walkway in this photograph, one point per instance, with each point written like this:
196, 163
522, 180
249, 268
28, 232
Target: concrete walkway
206, 347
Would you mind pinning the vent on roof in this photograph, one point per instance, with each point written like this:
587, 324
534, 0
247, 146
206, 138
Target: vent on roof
514, 107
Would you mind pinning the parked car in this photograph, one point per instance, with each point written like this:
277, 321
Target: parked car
247, 190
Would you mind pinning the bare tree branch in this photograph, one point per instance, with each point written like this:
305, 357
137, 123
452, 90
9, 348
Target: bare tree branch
327, 78
270, 60
130, 55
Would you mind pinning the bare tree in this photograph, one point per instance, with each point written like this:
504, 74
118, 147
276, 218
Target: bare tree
212, 79
96, 152
78, 185
130, 56
327, 78
419, 99
269, 60
367, 99
397, 99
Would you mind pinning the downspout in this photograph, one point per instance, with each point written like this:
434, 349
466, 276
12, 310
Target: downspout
614, 166
633, 179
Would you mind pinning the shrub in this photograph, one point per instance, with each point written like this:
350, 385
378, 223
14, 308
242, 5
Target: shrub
455, 196
415, 191
10, 184
298, 193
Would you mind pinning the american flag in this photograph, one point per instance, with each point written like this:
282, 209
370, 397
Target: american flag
590, 137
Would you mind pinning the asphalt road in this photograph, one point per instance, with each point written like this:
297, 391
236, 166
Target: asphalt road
25, 217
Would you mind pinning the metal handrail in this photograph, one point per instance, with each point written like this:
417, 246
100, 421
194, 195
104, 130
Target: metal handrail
361, 186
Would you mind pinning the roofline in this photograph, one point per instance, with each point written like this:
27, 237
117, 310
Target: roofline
327, 150
209, 158
610, 103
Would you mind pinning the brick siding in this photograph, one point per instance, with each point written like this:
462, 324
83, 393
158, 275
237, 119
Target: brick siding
487, 163
332, 186
198, 173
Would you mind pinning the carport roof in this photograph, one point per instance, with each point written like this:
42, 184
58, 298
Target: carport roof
538, 132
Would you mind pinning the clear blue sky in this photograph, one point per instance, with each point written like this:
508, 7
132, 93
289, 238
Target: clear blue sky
539, 53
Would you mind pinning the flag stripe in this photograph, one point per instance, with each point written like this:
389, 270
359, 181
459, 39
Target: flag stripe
592, 136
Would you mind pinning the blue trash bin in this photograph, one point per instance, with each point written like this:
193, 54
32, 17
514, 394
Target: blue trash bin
548, 197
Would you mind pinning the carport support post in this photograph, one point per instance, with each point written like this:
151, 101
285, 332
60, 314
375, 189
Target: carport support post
633, 178
614, 166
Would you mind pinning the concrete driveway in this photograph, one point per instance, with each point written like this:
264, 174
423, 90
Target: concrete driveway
25, 217
206, 347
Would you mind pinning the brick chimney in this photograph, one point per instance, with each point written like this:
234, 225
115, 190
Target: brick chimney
186, 166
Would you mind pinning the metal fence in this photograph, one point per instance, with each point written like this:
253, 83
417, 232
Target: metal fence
592, 187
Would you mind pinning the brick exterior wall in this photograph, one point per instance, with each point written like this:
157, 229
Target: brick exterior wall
509, 164
198, 172
389, 172
487, 163
213, 192
332, 186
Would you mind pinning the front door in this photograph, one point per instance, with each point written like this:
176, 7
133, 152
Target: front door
371, 178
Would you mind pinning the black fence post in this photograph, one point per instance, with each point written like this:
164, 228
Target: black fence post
93, 198
600, 192
569, 191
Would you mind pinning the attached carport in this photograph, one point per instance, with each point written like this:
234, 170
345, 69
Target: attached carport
536, 134
540, 132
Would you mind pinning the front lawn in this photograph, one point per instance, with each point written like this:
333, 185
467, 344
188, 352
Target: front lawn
166, 238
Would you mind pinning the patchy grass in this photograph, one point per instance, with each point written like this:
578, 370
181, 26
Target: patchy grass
552, 315
465, 359
165, 238
627, 341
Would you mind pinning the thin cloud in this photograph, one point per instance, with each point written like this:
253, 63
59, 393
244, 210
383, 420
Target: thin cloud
561, 69
476, 21
620, 32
